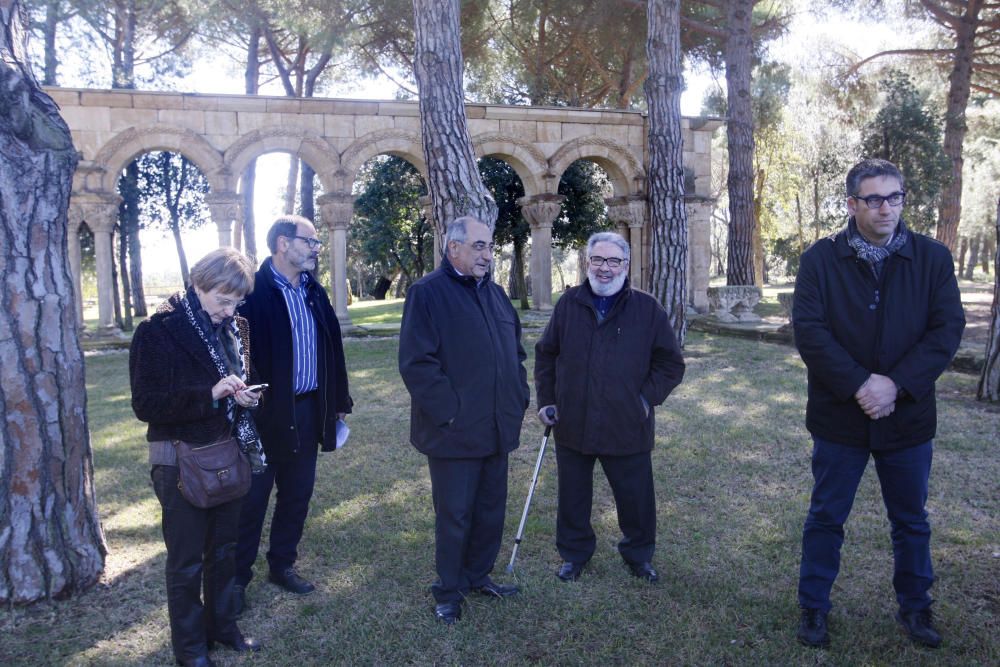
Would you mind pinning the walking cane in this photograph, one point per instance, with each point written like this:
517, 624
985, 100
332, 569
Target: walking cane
550, 413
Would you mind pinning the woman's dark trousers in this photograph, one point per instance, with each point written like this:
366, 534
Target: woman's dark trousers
201, 547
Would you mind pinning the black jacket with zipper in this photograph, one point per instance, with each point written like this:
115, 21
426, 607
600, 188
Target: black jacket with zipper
905, 324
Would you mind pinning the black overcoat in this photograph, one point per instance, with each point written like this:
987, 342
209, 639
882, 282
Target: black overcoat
907, 324
271, 353
598, 373
461, 358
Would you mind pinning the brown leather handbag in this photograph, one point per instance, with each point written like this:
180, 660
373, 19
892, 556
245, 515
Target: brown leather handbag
212, 474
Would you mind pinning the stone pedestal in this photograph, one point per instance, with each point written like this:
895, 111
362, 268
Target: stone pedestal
734, 303
541, 211
337, 210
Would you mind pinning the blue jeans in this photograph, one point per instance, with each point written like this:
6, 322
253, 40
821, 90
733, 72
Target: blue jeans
903, 475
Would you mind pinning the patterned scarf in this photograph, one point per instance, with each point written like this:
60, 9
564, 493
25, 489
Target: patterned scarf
875, 255
245, 431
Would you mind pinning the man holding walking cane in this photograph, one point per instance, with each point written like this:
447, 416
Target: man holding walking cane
461, 359
607, 358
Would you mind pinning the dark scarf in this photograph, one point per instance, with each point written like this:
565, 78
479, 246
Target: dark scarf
875, 255
226, 351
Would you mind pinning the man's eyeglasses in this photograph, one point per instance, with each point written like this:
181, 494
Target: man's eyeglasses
311, 242
228, 303
597, 261
876, 201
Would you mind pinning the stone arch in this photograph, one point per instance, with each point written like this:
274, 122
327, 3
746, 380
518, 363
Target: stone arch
524, 158
309, 147
111, 159
622, 167
400, 143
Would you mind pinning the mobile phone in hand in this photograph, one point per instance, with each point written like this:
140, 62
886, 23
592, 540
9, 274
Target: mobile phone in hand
257, 387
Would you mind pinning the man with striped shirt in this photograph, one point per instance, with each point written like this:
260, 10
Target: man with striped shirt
296, 348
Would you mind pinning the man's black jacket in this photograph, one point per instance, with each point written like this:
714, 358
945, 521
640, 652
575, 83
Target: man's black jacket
271, 353
907, 325
461, 359
598, 373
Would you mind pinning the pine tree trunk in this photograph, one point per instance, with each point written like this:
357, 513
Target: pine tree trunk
665, 180
52, 18
739, 131
989, 247
973, 257
290, 185
307, 200
123, 243
453, 179
963, 250
520, 283
989, 381
247, 186
955, 127
51, 542
129, 220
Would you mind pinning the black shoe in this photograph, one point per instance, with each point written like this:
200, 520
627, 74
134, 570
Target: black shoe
920, 626
239, 600
240, 644
644, 570
448, 612
291, 582
200, 661
812, 628
570, 571
493, 589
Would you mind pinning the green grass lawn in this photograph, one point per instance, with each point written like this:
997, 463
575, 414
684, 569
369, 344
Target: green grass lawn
732, 477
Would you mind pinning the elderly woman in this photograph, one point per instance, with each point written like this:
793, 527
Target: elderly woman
188, 367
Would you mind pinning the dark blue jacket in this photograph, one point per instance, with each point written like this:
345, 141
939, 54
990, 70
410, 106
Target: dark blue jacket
461, 359
907, 325
271, 354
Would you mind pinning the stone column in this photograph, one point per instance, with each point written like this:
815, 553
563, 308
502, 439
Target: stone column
74, 219
428, 212
100, 211
225, 210
337, 209
541, 211
630, 213
699, 216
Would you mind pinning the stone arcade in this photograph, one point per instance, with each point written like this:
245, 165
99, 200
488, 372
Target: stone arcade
221, 134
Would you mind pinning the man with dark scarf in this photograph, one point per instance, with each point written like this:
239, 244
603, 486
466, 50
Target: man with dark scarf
877, 317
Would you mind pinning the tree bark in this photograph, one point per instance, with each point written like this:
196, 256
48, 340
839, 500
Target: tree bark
52, 18
963, 250
307, 197
739, 131
453, 179
989, 247
123, 274
665, 179
970, 267
51, 542
518, 282
989, 381
955, 127
247, 187
129, 220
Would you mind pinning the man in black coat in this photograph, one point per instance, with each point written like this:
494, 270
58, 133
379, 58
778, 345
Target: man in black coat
296, 348
607, 358
877, 317
461, 359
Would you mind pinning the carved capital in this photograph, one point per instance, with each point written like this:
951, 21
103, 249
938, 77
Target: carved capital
630, 211
98, 209
337, 209
224, 208
541, 210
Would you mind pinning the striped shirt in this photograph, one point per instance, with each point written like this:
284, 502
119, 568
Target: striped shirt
303, 332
